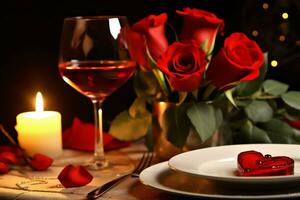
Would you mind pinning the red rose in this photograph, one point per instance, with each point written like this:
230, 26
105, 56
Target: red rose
40, 162
184, 64
201, 26
137, 48
74, 176
239, 60
151, 28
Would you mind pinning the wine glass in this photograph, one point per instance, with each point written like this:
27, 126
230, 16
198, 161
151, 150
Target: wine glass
94, 60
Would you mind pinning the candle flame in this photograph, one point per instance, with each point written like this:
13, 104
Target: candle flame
39, 104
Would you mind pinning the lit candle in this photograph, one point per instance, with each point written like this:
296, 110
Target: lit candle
40, 131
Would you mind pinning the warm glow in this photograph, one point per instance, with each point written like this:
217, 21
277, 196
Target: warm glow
255, 33
285, 15
274, 63
281, 38
265, 6
114, 27
39, 104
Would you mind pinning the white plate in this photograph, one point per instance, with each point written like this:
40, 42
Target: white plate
220, 163
161, 177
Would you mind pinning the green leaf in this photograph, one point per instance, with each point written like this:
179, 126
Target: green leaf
275, 87
250, 87
243, 103
149, 139
218, 117
126, 128
158, 74
203, 118
138, 108
252, 134
146, 85
292, 99
259, 111
291, 113
176, 124
279, 131
236, 119
228, 94
182, 97
296, 134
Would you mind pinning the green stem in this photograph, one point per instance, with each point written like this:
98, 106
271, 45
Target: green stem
208, 91
158, 74
259, 97
161, 81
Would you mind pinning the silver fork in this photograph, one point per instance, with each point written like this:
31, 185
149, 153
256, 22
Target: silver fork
143, 164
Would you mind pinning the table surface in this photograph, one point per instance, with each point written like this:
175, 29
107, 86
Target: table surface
25, 184
22, 183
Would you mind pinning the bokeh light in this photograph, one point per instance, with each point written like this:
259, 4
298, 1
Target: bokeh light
274, 63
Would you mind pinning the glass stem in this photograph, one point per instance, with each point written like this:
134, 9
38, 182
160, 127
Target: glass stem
99, 150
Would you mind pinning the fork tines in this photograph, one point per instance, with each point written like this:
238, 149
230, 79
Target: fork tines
144, 163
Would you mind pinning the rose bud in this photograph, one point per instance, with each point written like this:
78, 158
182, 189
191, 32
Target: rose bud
74, 176
201, 26
3, 168
148, 32
153, 28
240, 60
40, 162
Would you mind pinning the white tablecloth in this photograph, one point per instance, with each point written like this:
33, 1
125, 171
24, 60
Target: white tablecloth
23, 183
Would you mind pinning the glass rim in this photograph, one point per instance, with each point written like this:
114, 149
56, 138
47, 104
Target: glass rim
95, 17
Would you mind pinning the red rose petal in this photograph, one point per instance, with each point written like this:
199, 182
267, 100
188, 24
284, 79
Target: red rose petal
10, 154
137, 48
40, 162
3, 168
294, 123
8, 158
81, 137
74, 176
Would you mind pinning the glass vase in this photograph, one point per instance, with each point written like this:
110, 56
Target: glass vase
164, 149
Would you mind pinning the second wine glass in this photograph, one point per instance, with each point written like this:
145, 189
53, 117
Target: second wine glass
94, 59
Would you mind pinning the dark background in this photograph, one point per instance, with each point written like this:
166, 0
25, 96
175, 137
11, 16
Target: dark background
30, 34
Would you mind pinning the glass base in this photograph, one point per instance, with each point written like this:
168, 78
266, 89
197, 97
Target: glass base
98, 164
116, 163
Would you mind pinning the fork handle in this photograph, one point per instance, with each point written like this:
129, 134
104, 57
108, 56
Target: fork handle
106, 187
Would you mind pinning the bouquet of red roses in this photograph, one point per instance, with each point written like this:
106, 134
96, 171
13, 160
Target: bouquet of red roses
209, 86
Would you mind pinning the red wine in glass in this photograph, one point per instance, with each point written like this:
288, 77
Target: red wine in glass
96, 79
95, 60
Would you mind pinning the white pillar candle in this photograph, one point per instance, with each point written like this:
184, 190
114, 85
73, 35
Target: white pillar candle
40, 131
